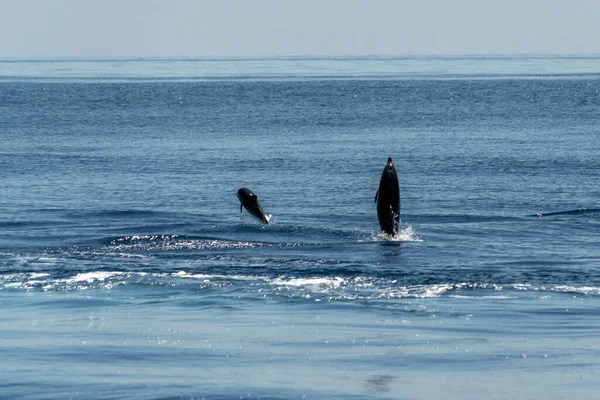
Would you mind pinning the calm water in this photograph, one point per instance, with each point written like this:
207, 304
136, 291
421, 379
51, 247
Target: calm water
128, 272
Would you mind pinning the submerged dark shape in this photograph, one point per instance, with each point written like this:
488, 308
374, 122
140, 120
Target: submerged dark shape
569, 212
388, 199
250, 202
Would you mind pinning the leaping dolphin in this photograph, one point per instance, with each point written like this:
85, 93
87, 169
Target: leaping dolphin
249, 201
388, 200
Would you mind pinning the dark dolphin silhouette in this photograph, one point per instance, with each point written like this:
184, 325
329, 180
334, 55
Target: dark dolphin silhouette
250, 202
388, 199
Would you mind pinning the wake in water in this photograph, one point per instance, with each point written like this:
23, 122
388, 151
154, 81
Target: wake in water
175, 242
577, 211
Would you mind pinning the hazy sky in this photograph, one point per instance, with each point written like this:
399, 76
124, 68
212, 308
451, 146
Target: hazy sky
202, 28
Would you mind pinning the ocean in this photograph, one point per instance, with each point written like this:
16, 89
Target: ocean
128, 272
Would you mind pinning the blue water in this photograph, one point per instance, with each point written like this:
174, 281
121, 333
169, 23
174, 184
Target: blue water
128, 272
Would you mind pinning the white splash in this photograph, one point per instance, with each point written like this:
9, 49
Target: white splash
406, 234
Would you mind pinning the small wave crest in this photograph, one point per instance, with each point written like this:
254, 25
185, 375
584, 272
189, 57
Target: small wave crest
79, 281
357, 288
569, 289
313, 288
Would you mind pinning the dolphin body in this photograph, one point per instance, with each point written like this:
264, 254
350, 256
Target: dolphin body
249, 201
388, 199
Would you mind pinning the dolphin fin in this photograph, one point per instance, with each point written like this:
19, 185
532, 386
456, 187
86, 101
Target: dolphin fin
241, 207
376, 195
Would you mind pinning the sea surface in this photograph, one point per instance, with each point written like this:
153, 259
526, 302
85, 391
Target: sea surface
128, 272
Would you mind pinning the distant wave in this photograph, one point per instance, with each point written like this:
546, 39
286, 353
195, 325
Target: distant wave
301, 68
294, 77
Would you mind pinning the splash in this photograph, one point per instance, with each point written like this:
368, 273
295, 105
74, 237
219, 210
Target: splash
406, 234
248, 219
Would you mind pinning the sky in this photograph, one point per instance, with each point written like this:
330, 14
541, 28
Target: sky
265, 28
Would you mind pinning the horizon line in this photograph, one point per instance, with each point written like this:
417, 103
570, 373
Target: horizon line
301, 57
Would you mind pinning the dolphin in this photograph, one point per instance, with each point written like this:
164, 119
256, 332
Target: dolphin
249, 201
388, 200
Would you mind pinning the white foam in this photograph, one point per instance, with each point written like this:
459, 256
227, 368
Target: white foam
94, 276
522, 286
406, 234
577, 289
179, 244
38, 275
460, 296
436, 290
413, 291
10, 277
209, 277
333, 282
